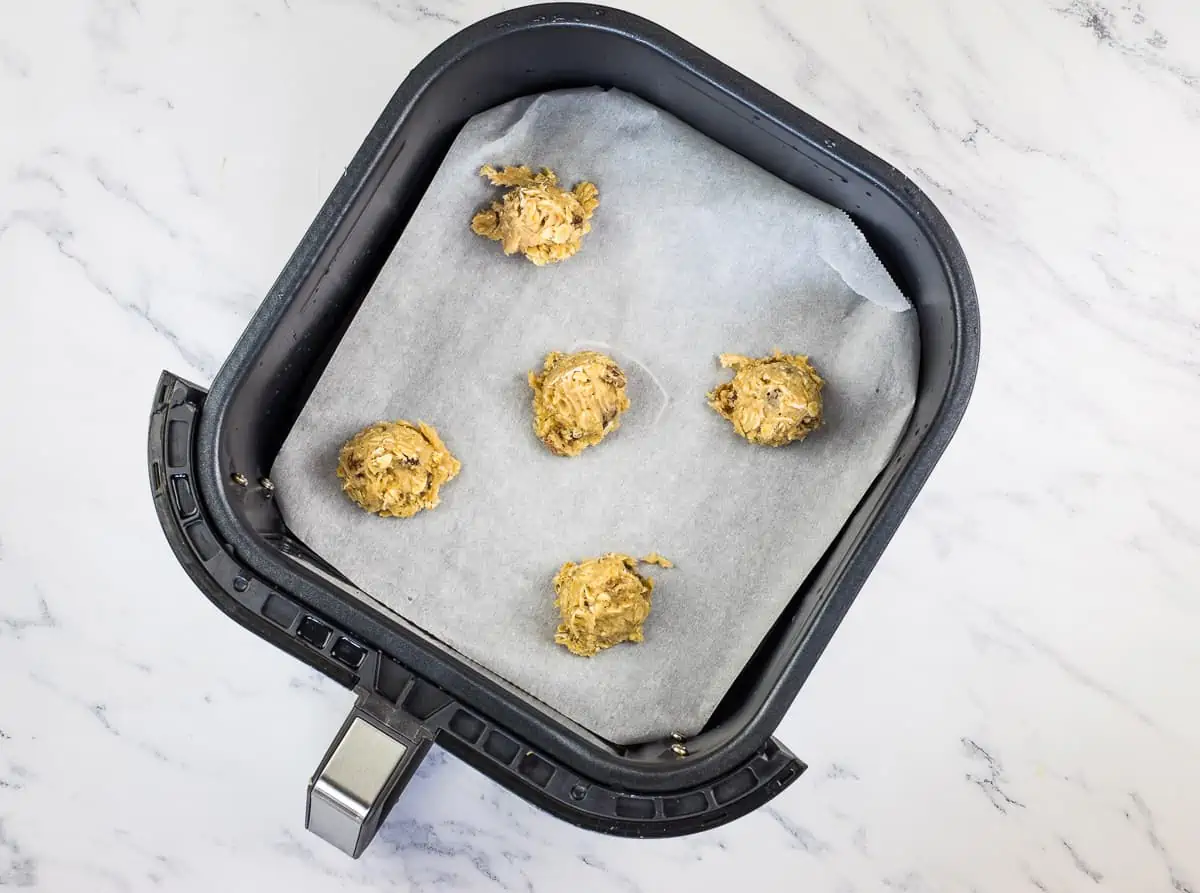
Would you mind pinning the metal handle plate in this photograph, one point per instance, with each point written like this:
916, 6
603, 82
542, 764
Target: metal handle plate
363, 773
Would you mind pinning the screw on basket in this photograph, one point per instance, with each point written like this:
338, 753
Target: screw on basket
678, 747
238, 478
267, 484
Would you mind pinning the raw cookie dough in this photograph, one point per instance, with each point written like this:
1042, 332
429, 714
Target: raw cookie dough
770, 401
536, 217
577, 400
395, 469
603, 601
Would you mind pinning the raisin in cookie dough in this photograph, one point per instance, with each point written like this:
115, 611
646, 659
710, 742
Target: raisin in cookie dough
771, 401
578, 400
395, 469
536, 217
603, 601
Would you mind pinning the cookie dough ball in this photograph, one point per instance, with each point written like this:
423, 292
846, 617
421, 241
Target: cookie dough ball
603, 601
395, 469
770, 401
577, 400
536, 217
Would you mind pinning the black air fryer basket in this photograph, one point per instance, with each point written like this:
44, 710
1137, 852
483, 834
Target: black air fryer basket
210, 453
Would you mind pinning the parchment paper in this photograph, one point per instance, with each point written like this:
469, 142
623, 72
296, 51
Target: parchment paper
694, 252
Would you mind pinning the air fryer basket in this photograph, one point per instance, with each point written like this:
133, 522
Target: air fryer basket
210, 453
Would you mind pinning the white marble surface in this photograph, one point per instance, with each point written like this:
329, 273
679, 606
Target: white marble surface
1012, 703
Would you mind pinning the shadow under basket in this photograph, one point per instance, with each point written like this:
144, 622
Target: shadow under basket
209, 453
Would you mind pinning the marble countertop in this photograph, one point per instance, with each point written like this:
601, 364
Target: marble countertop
1012, 703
